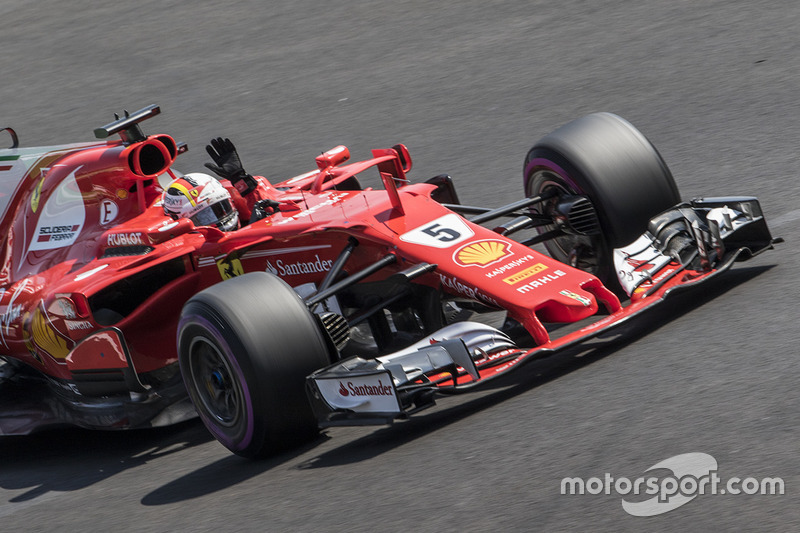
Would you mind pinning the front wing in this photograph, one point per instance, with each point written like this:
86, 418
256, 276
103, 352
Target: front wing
688, 245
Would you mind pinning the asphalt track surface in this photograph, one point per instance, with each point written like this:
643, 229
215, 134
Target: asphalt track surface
468, 87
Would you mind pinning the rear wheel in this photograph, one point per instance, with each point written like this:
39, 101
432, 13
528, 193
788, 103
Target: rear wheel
604, 158
245, 347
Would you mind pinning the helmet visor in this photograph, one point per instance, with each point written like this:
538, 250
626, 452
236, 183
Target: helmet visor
212, 214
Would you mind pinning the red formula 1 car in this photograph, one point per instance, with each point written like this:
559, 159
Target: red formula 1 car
348, 303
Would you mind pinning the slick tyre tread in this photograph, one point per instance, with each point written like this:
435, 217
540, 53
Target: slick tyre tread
245, 347
605, 158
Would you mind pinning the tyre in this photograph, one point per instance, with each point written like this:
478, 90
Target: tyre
606, 159
245, 347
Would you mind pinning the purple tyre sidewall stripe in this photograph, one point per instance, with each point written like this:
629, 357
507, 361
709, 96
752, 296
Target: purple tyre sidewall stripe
223, 438
546, 163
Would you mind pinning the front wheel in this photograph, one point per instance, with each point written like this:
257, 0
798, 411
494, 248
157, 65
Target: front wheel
245, 347
606, 159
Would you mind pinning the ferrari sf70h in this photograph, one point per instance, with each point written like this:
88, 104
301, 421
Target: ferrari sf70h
358, 298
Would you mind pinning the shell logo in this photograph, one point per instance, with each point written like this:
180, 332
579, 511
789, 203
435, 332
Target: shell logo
46, 338
36, 196
482, 253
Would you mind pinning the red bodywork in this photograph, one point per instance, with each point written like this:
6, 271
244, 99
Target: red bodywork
81, 217
94, 275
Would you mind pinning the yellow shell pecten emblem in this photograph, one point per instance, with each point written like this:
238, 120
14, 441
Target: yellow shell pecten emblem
36, 196
47, 339
481, 253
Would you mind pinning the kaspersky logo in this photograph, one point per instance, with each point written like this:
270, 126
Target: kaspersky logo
482, 253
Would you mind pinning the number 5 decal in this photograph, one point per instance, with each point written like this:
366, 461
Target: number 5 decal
443, 232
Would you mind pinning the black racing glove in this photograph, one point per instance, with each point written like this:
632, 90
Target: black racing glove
263, 209
228, 165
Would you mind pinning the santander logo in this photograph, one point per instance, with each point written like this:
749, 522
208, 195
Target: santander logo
352, 389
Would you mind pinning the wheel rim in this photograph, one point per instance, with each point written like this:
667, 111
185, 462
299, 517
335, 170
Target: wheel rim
215, 384
580, 251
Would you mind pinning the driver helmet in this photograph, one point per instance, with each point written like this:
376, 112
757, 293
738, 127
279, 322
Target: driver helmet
202, 199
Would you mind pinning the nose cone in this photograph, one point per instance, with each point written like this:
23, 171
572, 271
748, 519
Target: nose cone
568, 305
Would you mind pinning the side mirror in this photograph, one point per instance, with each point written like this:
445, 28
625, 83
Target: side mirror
333, 157
405, 157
